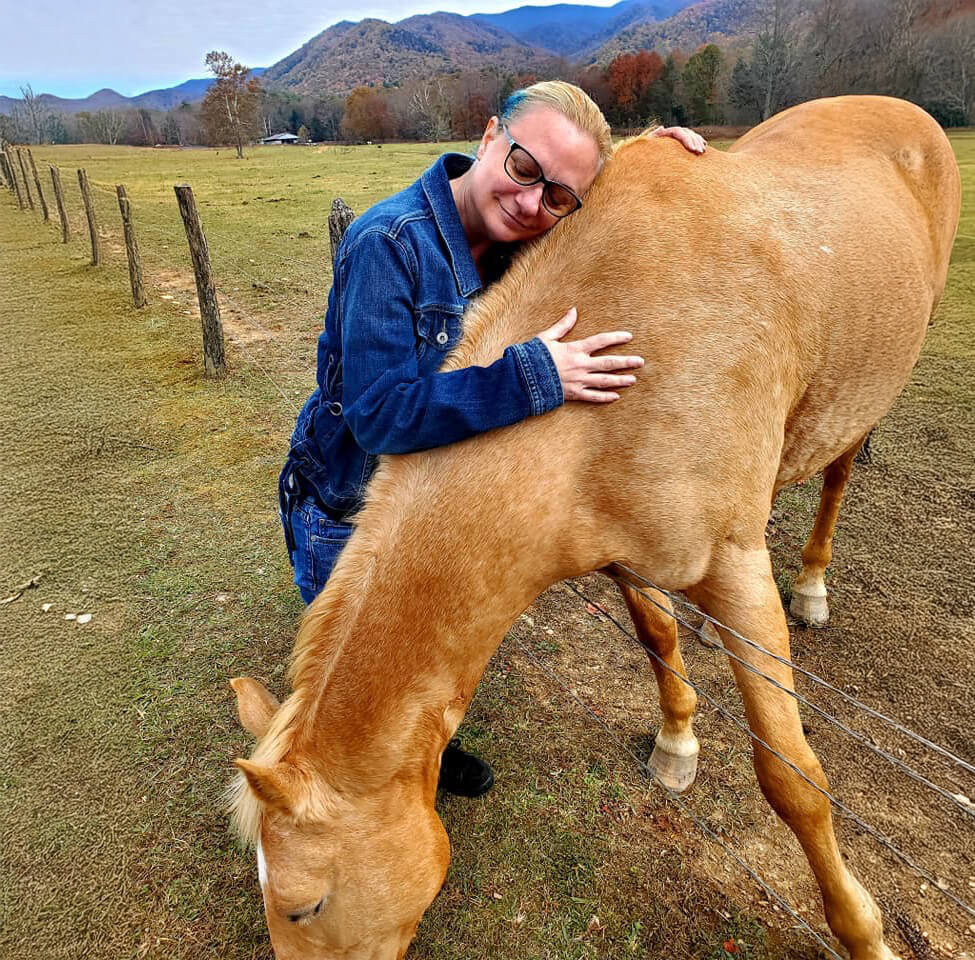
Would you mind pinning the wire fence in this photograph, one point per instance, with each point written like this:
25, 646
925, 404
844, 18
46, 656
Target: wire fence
272, 305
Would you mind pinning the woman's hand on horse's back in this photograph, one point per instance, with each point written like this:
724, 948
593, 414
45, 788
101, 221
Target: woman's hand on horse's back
584, 376
686, 137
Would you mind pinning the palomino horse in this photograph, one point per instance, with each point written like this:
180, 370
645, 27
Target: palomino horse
780, 294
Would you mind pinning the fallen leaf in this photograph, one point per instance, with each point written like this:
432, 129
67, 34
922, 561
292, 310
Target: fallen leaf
730, 946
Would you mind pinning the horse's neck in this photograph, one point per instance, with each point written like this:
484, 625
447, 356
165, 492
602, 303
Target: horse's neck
438, 570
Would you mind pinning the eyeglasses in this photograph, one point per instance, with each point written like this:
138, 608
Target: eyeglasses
526, 171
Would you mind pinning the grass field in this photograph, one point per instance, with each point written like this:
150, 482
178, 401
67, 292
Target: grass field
145, 495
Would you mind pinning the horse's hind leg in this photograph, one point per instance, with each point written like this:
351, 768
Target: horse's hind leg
740, 592
809, 591
674, 757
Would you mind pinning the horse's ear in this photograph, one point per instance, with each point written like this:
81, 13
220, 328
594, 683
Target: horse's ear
255, 705
279, 786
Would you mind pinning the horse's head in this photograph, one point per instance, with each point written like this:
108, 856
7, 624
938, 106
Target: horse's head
343, 874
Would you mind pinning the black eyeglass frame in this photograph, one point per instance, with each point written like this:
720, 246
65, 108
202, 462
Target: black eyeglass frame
541, 178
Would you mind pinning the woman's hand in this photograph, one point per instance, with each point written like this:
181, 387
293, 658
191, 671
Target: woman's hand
583, 376
688, 139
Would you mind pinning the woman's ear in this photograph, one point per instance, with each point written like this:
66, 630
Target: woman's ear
490, 132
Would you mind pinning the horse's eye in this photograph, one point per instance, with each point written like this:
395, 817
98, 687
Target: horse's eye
307, 914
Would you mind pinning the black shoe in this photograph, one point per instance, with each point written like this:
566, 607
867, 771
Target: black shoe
463, 774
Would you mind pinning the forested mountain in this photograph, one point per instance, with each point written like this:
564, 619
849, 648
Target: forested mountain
713, 21
376, 53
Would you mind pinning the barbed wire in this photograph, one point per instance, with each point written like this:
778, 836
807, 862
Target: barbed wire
674, 797
883, 840
785, 661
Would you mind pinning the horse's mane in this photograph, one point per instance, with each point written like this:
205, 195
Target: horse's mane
324, 628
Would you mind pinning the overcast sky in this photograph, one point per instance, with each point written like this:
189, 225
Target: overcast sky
72, 48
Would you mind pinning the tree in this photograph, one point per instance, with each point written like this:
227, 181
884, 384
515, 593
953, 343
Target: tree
767, 81
31, 115
229, 112
950, 78
102, 126
146, 127
366, 115
430, 108
700, 79
630, 76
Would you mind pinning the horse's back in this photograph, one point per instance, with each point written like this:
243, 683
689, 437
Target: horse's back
882, 189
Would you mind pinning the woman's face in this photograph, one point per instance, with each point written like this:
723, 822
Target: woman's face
509, 212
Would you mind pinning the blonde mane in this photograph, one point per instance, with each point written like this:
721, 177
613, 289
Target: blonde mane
324, 629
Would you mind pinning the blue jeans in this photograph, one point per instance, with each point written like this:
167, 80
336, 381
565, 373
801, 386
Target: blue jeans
314, 540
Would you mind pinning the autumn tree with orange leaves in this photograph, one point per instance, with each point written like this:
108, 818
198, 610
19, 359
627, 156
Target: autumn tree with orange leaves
631, 75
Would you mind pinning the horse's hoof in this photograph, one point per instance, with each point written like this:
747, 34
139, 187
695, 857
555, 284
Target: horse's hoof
810, 609
674, 771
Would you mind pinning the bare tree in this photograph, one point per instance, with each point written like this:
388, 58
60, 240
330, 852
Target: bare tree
901, 47
950, 72
102, 126
431, 108
147, 127
31, 116
229, 111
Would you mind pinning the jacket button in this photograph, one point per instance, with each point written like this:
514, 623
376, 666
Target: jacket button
442, 337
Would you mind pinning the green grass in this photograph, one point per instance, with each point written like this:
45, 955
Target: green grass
146, 495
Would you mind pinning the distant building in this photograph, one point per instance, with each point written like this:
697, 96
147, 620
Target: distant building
279, 138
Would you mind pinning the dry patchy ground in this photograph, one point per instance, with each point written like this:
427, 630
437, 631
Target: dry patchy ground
145, 496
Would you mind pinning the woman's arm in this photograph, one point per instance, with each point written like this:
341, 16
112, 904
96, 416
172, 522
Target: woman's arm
391, 408
388, 405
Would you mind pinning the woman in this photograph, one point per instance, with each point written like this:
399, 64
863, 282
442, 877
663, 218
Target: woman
404, 273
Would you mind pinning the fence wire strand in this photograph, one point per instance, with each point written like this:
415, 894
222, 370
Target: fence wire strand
883, 840
879, 751
676, 799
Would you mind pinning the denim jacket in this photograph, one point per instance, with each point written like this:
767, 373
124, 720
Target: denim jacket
403, 276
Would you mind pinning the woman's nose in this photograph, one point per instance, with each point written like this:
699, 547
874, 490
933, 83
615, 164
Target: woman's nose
530, 200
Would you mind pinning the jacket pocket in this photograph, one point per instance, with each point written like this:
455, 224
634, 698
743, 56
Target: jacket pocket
438, 327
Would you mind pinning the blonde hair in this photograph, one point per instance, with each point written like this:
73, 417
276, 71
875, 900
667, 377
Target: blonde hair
572, 102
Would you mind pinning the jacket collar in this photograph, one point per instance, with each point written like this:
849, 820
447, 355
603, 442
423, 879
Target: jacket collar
436, 186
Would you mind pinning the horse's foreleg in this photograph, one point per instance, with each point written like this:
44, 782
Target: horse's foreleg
809, 591
674, 757
741, 592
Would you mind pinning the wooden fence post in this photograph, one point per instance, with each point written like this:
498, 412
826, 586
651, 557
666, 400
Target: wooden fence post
90, 212
338, 222
23, 170
213, 354
37, 183
15, 182
8, 175
131, 248
59, 196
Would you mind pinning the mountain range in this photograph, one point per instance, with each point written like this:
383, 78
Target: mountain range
522, 40
165, 99
374, 52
